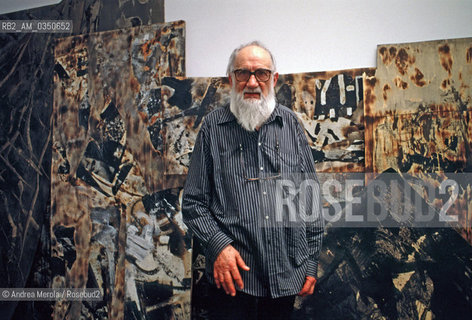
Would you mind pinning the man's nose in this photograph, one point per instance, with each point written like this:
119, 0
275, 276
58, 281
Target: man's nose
252, 82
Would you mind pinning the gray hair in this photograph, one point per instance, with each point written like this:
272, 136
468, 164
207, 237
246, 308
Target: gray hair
255, 43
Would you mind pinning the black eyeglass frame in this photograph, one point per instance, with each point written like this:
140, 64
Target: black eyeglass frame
237, 74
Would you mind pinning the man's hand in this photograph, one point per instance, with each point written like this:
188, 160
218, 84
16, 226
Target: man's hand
226, 272
308, 287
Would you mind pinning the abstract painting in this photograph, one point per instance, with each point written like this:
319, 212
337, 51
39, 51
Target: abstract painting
418, 110
329, 105
26, 95
114, 221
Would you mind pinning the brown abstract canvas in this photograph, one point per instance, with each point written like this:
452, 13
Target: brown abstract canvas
26, 97
330, 107
113, 220
418, 110
328, 104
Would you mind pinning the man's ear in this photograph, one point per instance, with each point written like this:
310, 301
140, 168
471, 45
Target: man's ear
276, 77
230, 79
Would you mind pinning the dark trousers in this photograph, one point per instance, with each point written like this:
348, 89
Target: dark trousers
246, 307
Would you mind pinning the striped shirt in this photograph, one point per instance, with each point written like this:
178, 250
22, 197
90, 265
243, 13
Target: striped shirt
230, 197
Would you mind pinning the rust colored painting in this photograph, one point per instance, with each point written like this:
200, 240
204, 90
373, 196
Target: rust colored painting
329, 105
185, 102
115, 224
418, 110
26, 95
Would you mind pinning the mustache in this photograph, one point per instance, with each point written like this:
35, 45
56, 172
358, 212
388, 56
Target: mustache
256, 90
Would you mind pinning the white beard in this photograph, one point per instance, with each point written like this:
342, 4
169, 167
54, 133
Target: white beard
252, 113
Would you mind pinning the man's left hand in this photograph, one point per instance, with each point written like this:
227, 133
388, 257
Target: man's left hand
308, 287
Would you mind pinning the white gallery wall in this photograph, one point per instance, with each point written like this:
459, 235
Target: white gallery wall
312, 35
304, 35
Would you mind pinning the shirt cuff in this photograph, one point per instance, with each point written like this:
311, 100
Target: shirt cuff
216, 244
312, 269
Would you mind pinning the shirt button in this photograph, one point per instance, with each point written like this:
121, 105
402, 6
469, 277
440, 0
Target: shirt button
267, 217
264, 192
259, 144
262, 168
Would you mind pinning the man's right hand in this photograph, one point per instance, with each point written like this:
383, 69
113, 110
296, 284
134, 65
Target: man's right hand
226, 272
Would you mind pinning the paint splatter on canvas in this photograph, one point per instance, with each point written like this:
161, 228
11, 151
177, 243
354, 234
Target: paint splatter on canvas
418, 108
329, 105
114, 220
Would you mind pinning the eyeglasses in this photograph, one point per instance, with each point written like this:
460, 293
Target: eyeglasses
243, 75
277, 175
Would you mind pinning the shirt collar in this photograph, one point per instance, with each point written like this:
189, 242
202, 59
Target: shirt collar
228, 116
276, 115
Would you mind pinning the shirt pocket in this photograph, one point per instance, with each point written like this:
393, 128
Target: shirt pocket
290, 162
230, 161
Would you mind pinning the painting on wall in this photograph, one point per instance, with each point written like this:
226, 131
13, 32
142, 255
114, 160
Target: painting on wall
26, 95
115, 224
418, 117
329, 105
186, 101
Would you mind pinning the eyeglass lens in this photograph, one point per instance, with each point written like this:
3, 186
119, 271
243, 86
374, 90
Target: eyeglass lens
243, 75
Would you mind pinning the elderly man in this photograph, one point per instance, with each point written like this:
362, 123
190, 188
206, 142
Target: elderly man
257, 263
